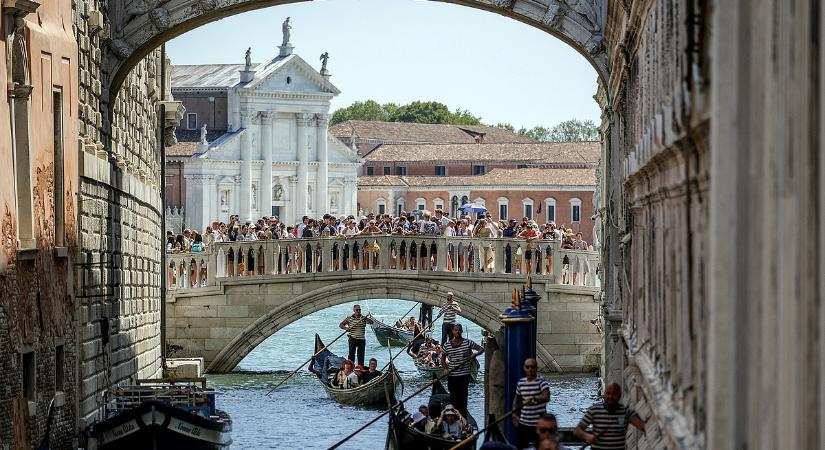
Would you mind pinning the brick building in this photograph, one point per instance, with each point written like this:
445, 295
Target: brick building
542, 181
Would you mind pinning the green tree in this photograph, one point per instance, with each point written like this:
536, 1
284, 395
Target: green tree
367, 110
506, 126
417, 112
572, 130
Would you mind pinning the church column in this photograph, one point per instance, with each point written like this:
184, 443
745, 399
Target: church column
293, 215
245, 194
350, 201
303, 165
265, 194
322, 184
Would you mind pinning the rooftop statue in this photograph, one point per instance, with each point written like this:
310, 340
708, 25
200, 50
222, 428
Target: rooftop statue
286, 27
248, 58
324, 59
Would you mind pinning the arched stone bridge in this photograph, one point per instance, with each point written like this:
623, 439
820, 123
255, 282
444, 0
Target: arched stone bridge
222, 311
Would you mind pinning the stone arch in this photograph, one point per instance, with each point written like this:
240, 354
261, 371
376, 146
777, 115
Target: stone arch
138, 27
432, 293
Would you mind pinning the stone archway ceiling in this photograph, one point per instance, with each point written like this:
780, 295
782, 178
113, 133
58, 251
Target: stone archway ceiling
138, 26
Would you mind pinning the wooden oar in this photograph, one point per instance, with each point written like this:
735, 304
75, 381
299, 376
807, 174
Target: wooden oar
474, 436
305, 362
389, 410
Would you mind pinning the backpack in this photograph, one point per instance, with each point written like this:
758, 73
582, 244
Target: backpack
429, 229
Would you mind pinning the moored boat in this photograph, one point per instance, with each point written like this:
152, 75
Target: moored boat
395, 335
403, 437
162, 414
325, 364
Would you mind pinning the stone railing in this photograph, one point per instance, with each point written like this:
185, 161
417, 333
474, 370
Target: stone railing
283, 258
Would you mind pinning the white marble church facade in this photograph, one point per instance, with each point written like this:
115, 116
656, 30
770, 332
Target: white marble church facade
276, 156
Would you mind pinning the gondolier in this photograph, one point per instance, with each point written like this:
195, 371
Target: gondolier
355, 326
458, 351
449, 310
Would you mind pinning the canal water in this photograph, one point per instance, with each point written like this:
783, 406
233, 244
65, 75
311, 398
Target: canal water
299, 415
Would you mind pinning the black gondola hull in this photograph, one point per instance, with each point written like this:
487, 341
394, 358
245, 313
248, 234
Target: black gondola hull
156, 425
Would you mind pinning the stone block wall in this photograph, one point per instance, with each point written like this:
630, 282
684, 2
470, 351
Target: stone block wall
118, 278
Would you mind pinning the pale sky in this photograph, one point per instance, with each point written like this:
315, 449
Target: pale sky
405, 50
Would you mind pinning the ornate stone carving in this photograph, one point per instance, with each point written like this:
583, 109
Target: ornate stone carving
266, 116
202, 6
160, 18
554, 16
8, 235
504, 4
588, 11
303, 119
595, 44
248, 59
322, 120
286, 27
324, 59
120, 48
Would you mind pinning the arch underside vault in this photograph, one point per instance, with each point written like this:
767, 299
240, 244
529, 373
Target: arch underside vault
139, 26
479, 311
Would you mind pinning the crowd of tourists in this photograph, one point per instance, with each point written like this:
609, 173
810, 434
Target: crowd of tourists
533, 255
422, 223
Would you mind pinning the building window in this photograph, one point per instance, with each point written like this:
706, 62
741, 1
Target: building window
192, 121
521, 166
400, 206
370, 170
576, 209
478, 170
382, 206
387, 170
551, 209
57, 131
454, 206
29, 376
480, 201
502, 208
438, 204
440, 171
59, 368
401, 171
420, 204
528, 208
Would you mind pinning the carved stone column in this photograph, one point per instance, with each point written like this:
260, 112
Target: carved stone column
245, 194
265, 194
300, 202
292, 209
322, 184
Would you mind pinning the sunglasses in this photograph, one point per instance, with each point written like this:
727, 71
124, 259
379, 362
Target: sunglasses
547, 430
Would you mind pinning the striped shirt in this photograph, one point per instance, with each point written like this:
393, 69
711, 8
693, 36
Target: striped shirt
450, 311
610, 427
531, 388
357, 326
457, 356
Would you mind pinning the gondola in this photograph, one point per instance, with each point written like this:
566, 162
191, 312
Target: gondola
402, 437
163, 416
438, 370
326, 363
395, 336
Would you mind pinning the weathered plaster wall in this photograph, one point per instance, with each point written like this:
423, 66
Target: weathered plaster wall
36, 288
120, 209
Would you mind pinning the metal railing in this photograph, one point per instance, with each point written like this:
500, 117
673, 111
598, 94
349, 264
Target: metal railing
287, 257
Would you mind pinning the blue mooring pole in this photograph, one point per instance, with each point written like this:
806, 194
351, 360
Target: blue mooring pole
520, 344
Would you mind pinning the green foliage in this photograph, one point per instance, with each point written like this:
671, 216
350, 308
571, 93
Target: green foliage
506, 126
572, 130
415, 112
368, 110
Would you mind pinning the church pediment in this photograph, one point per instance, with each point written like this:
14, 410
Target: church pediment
290, 73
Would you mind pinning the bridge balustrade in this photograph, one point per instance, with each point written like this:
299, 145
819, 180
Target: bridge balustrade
292, 257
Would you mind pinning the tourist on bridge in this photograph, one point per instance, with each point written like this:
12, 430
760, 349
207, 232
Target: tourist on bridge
355, 326
609, 420
449, 310
532, 395
459, 352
